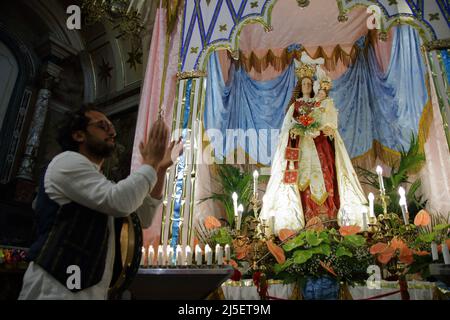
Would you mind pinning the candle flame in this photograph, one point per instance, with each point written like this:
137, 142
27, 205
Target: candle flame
379, 170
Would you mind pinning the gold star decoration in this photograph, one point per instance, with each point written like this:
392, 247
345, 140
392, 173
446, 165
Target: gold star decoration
254, 4
105, 70
393, 2
434, 16
223, 27
194, 50
134, 58
208, 2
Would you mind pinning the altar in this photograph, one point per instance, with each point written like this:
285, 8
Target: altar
316, 144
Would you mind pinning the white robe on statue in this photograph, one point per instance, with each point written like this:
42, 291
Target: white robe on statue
283, 200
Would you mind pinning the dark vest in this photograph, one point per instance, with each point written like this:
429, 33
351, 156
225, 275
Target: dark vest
69, 235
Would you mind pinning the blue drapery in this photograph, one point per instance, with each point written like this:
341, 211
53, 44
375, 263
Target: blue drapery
372, 105
386, 107
446, 58
246, 104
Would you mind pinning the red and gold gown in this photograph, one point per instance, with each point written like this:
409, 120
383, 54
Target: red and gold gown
311, 174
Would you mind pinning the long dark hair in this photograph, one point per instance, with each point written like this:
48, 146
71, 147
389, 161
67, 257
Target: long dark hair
74, 121
297, 92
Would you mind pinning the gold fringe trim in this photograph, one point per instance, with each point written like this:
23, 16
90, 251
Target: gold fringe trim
279, 63
320, 201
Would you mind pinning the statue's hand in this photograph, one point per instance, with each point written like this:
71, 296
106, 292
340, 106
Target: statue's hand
328, 131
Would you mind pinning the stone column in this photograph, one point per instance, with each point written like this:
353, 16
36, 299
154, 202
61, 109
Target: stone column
26, 170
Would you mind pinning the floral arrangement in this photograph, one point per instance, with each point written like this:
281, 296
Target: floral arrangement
319, 252
13, 258
405, 249
307, 122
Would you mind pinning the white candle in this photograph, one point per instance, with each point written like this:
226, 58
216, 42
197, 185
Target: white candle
434, 251
371, 210
169, 255
208, 255
234, 196
188, 255
255, 182
216, 257
364, 219
240, 211
151, 255
445, 252
227, 252
160, 255
179, 256
272, 223
219, 254
198, 255
380, 178
403, 205
143, 257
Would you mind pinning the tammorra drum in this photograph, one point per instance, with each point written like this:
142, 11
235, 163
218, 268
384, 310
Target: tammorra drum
128, 253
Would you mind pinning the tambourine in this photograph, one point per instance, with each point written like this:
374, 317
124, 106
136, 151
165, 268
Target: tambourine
128, 253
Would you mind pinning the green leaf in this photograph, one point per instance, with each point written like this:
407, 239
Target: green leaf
324, 249
343, 251
281, 267
312, 238
354, 240
293, 243
223, 237
441, 226
427, 237
302, 256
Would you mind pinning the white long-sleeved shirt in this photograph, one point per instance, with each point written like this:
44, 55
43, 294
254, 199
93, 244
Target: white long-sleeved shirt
71, 177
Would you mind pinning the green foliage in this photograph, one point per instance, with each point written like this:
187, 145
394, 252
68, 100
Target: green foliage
348, 256
410, 161
233, 180
222, 237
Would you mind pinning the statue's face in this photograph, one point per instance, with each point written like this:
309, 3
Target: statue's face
321, 94
307, 86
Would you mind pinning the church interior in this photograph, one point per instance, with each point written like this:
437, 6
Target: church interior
307, 147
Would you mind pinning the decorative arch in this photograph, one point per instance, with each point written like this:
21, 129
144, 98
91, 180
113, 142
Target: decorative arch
203, 21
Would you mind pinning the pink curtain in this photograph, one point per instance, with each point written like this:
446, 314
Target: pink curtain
150, 96
435, 175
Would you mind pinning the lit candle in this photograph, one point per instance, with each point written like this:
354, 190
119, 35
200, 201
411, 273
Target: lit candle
445, 252
188, 255
234, 196
380, 179
198, 255
434, 251
403, 205
179, 255
151, 255
219, 254
160, 255
143, 257
371, 210
227, 252
208, 255
255, 182
240, 211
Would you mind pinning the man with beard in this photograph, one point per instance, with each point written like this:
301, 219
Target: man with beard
76, 206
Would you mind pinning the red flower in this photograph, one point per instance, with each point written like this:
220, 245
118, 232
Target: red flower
306, 120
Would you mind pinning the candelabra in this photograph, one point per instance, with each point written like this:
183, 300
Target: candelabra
256, 204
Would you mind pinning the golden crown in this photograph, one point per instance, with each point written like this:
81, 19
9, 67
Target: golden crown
326, 84
305, 71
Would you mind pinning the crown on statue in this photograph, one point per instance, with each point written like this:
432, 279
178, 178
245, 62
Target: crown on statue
305, 71
326, 84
